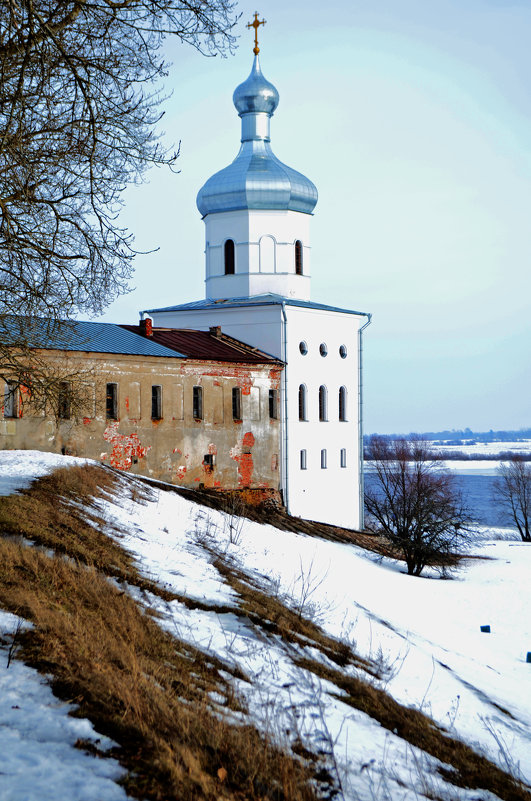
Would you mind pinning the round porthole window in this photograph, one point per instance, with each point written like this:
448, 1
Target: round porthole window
343, 351
323, 350
303, 347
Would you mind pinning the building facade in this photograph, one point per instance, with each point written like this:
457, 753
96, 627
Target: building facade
198, 409
257, 214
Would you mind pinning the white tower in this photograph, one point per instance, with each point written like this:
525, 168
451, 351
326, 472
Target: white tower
257, 212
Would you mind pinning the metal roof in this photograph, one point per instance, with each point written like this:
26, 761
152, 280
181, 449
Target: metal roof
78, 335
269, 299
207, 345
256, 179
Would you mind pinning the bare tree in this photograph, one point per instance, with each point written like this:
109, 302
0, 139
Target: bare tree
413, 502
79, 105
512, 488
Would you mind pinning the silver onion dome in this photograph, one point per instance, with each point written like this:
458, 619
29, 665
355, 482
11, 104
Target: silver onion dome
256, 179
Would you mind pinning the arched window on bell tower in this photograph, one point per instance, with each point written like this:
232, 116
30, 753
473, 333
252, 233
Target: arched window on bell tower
298, 257
229, 257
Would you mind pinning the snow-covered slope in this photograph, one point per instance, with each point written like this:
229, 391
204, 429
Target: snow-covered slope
423, 633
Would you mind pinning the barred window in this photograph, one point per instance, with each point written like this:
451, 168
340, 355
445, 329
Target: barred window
273, 404
11, 399
64, 400
156, 402
111, 402
197, 410
236, 403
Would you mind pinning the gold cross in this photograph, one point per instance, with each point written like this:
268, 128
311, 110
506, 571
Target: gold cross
255, 24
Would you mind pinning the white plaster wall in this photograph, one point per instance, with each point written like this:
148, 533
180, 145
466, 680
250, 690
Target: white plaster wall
330, 495
259, 268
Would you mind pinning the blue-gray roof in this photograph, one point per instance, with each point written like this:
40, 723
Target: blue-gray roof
268, 299
80, 336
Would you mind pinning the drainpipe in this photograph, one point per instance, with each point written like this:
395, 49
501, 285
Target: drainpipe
360, 419
285, 415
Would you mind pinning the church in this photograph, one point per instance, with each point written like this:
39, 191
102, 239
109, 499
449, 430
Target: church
257, 213
256, 387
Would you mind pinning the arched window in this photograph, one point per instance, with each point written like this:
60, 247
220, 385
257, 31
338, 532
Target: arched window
229, 257
323, 404
298, 257
343, 404
303, 410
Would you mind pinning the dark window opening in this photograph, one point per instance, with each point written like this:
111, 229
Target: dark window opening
209, 461
273, 404
303, 347
323, 350
343, 351
111, 402
236, 403
229, 257
11, 399
343, 404
302, 403
303, 459
298, 257
156, 403
323, 404
197, 411
64, 401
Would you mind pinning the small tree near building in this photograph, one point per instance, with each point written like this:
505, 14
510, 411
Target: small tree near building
512, 488
414, 503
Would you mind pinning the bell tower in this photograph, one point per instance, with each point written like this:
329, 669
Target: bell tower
257, 210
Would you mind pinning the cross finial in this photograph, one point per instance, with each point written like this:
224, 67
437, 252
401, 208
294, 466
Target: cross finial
255, 24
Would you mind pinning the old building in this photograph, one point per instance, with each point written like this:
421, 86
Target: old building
196, 408
257, 214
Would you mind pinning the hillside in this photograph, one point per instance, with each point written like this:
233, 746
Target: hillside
209, 656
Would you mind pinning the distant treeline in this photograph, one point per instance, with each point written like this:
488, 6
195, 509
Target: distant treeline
459, 438
454, 456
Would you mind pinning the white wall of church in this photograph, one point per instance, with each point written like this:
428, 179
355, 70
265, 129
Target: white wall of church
326, 485
264, 253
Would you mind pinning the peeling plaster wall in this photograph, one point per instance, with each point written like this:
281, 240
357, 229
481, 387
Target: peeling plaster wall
245, 452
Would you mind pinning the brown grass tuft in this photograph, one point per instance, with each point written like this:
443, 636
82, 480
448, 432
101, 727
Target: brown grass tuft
140, 686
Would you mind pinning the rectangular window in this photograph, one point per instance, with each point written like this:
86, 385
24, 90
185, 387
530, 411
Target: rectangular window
273, 404
303, 459
156, 402
64, 401
11, 399
209, 461
198, 403
111, 402
323, 459
343, 457
236, 403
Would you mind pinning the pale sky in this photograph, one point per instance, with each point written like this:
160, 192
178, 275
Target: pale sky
413, 119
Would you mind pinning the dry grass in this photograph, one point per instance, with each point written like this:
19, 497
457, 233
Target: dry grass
145, 689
